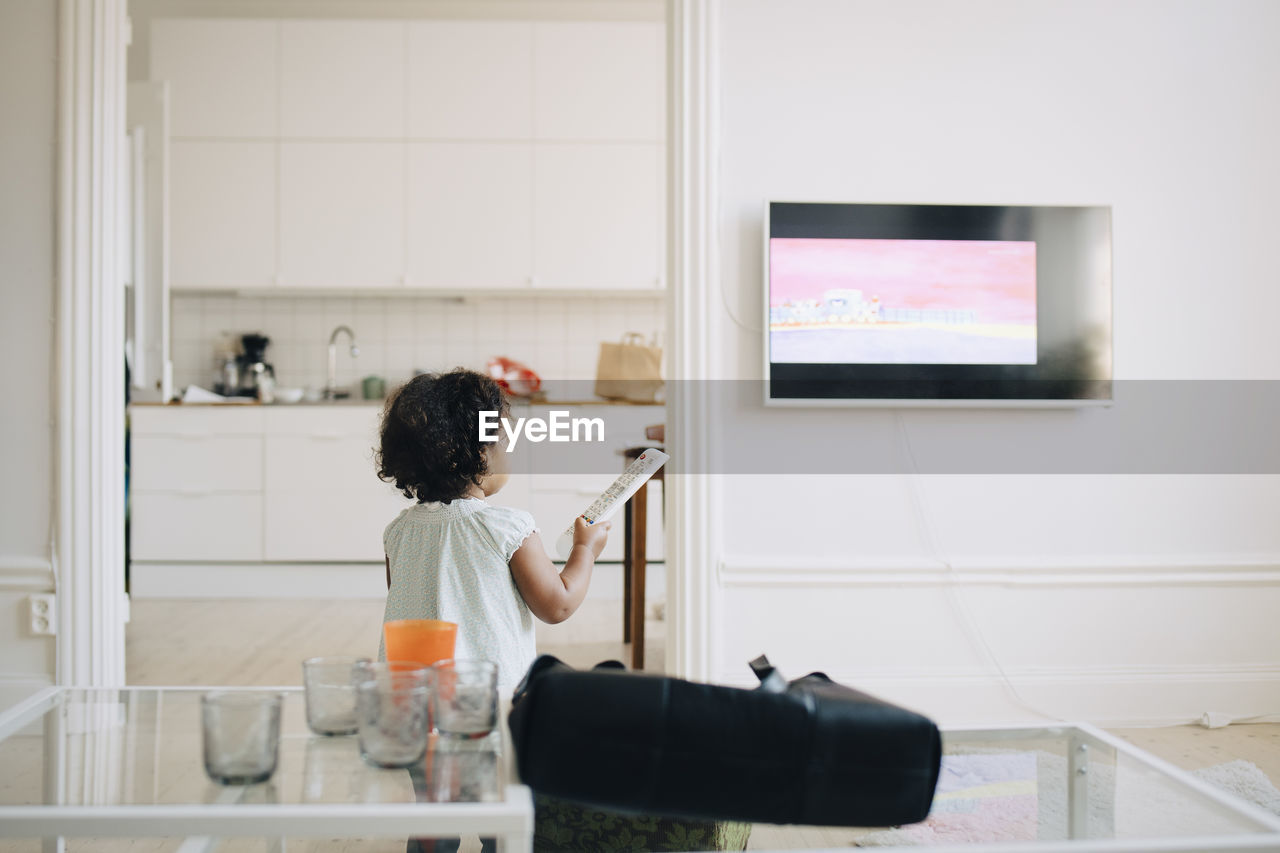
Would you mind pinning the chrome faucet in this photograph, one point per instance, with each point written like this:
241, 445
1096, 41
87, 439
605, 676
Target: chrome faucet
331, 391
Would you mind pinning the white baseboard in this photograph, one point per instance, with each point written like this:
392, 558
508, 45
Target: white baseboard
1114, 640
317, 580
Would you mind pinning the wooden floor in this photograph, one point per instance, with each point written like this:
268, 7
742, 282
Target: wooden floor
263, 642
186, 642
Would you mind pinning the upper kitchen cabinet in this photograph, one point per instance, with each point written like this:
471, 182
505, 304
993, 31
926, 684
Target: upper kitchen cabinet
469, 207
444, 155
221, 75
470, 80
598, 81
598, 216
341, 214
342, 79
222, 214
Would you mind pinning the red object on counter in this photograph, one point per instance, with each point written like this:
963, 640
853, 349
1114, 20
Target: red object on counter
515, 378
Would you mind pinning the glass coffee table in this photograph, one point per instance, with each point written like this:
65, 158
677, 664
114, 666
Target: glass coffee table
110, 765
105, 765
1071, 787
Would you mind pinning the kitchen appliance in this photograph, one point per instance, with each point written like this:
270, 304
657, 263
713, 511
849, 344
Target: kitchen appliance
257, 377
247, 373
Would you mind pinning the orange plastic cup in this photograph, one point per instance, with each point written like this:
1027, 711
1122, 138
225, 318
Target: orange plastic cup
424, 641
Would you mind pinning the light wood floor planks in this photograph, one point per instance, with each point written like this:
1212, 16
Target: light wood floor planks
184, 642
263, 642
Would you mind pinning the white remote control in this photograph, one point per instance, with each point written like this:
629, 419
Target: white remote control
613, 498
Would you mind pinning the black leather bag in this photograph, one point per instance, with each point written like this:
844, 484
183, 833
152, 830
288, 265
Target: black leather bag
810, 751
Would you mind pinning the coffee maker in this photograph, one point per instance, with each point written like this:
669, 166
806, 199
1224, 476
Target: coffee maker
248, 374
257, 377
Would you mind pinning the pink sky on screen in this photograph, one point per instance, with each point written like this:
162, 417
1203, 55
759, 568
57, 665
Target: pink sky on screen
995, 278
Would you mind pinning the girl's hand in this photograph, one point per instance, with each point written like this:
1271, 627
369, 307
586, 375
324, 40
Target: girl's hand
592, 535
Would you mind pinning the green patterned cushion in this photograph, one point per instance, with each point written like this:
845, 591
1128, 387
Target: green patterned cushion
559, 825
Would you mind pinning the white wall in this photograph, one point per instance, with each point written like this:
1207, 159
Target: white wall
1113, 597
28, 41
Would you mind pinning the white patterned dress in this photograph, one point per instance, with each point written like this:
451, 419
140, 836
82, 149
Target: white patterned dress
451, 561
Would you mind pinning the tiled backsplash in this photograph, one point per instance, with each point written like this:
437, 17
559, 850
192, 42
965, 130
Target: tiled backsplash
559, 337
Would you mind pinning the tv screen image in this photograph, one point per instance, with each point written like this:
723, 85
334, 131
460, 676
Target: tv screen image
902, 301
921, 304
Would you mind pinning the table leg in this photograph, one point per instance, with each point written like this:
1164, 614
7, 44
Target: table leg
515, 842
627, 525
638, 509
1077, 790
54, 769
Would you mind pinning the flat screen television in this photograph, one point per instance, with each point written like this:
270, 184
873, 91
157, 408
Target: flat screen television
937, 304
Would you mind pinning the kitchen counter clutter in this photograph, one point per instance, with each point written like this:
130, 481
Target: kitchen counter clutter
284, 499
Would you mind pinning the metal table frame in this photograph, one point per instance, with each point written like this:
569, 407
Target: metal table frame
1082, 740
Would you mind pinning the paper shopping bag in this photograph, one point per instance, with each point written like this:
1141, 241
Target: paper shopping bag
629, 370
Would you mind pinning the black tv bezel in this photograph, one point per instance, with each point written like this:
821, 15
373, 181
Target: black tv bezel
833, 384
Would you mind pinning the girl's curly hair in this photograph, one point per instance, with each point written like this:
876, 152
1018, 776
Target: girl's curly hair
429, 442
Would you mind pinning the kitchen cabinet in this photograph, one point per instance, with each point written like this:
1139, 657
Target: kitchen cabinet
222, 214
342, 79
204, 528
298, 485
341, 214
470, 80
434, 154
322, 499
598, 215
468, 214
216, 71
196, 484
598, 80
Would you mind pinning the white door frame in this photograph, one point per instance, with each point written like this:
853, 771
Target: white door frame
693, 533
88, 546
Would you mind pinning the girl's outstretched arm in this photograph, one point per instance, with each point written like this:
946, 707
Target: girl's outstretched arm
554, 596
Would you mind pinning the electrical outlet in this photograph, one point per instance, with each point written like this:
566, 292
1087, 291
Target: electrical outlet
43, 613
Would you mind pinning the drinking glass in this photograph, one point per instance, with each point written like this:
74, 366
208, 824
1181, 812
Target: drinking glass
331, 694
393, 714
465, 697
241, 735
423, 640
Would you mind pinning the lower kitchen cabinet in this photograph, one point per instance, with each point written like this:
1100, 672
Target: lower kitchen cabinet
298, 485
323, 501
198, 528
196, 481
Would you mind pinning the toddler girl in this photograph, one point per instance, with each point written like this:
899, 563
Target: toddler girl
452, 555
